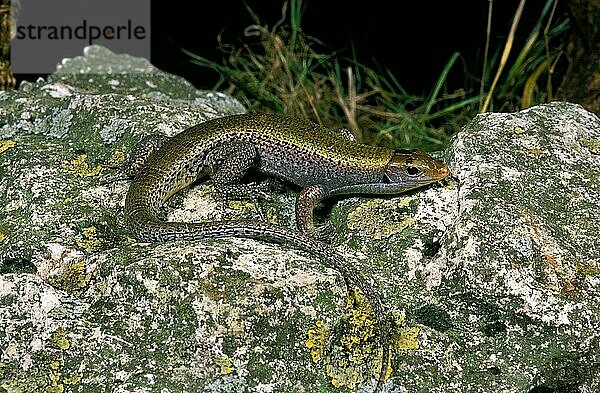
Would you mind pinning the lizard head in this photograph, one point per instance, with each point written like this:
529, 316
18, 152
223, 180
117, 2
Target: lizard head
413, 168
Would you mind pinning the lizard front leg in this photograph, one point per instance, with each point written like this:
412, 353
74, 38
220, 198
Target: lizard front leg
309, 198
306, 202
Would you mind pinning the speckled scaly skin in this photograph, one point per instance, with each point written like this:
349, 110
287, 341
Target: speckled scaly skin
322, 161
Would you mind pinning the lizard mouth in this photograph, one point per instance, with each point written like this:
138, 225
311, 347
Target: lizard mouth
441, 171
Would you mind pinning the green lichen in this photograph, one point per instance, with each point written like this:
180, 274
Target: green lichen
352, 356
80, 167
367, 217
56, 124
7, 300
433, 316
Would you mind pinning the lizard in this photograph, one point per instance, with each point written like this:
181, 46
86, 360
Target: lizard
323, 162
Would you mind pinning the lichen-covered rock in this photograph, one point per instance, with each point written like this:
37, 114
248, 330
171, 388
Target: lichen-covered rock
85, 308
518, 272
491, 280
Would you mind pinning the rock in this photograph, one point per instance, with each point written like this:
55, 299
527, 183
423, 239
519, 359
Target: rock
518, 271
492, 279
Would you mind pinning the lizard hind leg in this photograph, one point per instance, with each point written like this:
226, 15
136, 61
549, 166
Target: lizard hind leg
229, 163
140, 153
136, 160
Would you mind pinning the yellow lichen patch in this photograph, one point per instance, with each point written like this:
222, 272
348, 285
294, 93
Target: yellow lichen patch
5, 145
11, 350
73, 279
73, 380
117, 157
354, 355
317, 338
225, 364
80, 167
367, 217
55, 371
594, 146
351, 379
519, 130
59, 388
89, 242
404, 337
588, 269
272, 218
354, 347
54, 375
450, 185
59, 340
241, 206
4, 232
534, 152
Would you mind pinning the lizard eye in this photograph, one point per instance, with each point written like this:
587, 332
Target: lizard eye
413, 171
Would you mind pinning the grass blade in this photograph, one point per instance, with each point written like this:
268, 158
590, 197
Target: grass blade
440, 82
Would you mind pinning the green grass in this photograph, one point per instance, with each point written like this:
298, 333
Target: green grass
281, 69
519, 88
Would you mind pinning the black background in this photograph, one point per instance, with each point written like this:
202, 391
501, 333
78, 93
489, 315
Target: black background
413, 39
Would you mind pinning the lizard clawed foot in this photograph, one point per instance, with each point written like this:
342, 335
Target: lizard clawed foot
254, 192
261, 191
323, 232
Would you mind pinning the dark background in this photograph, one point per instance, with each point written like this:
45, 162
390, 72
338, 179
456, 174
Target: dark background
414, 39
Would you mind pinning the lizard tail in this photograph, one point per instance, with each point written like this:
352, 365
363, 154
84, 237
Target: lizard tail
156, 230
